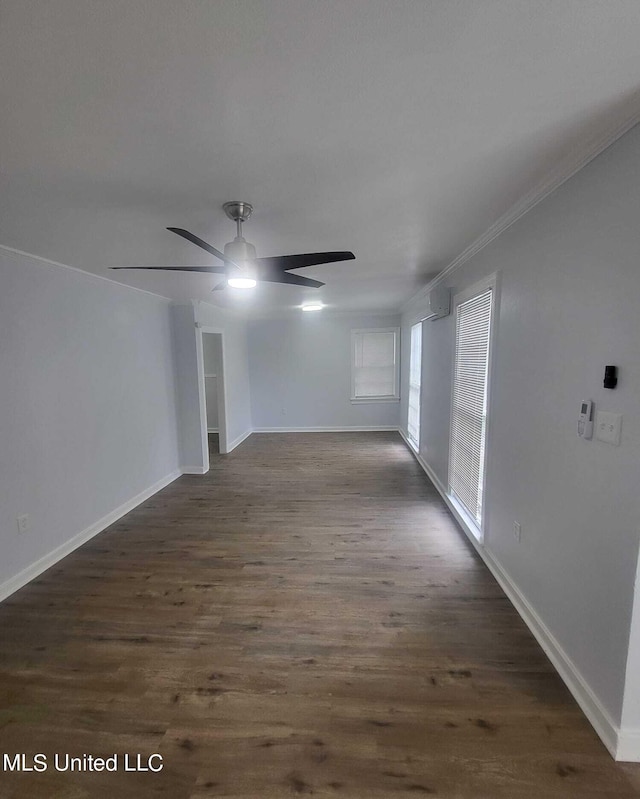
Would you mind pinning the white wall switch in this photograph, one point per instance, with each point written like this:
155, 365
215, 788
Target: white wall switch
23, 523
608, 427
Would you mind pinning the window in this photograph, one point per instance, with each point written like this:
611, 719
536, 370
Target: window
374, 365
469, 403
415, 375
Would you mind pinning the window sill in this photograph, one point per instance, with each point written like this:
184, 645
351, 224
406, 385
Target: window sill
363, 400
465, 518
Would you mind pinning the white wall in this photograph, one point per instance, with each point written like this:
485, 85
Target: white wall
87, 404
194, 453
569, 305
300, 371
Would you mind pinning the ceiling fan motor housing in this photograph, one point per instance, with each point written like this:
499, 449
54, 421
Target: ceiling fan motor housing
240, 250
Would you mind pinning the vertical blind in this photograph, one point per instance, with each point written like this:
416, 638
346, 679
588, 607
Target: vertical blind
374, 363
469, 406
415, 374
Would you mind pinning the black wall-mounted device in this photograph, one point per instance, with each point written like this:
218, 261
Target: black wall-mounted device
610, 376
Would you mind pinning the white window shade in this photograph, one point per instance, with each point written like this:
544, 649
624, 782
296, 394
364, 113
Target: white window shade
374, 364
469, 402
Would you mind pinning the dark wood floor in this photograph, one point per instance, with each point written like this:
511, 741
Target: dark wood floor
306, 619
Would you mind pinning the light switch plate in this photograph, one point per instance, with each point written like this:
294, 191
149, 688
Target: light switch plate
608, 427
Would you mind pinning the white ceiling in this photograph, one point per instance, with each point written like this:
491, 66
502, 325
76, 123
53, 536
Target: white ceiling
400, 130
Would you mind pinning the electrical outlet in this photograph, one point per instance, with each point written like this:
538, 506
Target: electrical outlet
23, 523
608, 427
517, 531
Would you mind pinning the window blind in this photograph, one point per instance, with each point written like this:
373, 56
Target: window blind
374, 363
415, 376
469, 405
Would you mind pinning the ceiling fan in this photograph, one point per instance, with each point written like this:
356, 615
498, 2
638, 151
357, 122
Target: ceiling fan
241, 267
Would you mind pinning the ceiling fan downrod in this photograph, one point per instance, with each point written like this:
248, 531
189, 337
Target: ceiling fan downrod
240, 250
239, 212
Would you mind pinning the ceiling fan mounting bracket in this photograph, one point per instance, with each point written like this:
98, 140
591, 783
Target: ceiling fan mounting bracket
238, 211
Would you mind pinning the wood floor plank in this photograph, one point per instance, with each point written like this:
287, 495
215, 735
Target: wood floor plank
306, 619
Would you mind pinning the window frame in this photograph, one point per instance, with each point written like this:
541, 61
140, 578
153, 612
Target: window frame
395, 397
490, 282
419, 324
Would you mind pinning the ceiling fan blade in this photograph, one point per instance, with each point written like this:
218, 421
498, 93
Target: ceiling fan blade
202, 244
214, 269
282, 262
294, 280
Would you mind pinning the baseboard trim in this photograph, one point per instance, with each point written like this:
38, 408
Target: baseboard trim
25, 576
589, 703
193, 470
355, 429
591, 706
237, 441
628, 745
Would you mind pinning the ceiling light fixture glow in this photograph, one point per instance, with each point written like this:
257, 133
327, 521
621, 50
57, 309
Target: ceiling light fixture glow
313, 306
241, 282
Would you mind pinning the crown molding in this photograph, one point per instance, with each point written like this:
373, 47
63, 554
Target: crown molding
40, 259
224, 310
580, 155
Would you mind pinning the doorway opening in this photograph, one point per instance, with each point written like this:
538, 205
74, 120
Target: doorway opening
212, 392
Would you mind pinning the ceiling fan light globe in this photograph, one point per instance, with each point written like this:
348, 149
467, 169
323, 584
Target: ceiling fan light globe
241, 282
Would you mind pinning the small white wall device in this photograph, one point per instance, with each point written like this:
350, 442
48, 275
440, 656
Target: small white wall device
439, 302
585, 420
